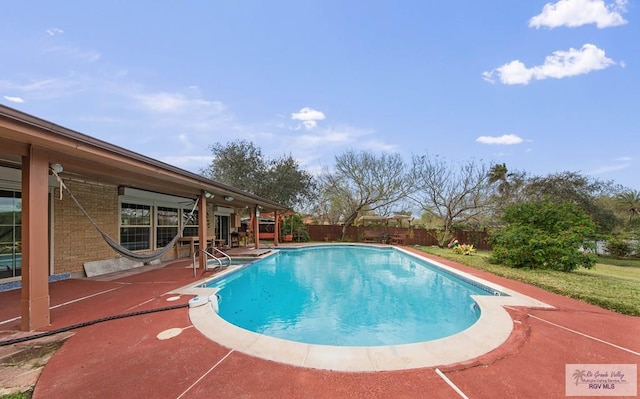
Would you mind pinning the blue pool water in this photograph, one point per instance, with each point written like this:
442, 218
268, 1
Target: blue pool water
347, 296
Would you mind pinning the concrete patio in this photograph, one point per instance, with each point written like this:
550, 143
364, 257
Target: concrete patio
161, 355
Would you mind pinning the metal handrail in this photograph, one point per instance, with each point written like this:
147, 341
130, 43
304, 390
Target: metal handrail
210, 255
222, 253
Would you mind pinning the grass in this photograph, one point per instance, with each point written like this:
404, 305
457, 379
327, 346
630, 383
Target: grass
30, 357
612, 284
18, 395
630, 262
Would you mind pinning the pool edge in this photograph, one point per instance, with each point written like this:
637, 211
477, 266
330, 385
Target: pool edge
491, 330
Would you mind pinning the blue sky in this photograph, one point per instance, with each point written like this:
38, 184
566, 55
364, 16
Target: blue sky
541, 86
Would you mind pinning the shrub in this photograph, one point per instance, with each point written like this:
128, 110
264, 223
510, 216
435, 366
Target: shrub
618, 247
544, 235
295, 226
442, 237
464, 249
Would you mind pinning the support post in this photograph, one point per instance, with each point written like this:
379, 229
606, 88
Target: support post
202, 230
276, 228
35, 227
256, 228
251, 225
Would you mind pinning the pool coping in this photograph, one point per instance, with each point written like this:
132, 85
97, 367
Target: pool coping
491, 330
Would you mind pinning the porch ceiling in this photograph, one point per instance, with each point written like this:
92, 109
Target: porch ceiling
84, 157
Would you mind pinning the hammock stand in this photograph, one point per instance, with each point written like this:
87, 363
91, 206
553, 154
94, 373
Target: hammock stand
125, 252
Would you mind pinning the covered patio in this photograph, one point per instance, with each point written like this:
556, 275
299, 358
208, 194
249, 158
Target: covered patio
55, 238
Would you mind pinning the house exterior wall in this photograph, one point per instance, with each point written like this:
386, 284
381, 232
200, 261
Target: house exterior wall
75, 239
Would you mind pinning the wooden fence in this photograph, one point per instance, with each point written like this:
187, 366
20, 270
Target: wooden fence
414, 236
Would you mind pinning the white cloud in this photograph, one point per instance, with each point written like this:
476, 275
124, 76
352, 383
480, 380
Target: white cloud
505, 139
54, 31
325, 137
84, 55
17, 100
188, 162
377, 145
308, 116
619, 164
560, 64
176, 103
573, 13
321, 146
47, 88
512, 73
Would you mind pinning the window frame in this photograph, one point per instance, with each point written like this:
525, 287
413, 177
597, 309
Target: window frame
155, 204
175, 228
149, 227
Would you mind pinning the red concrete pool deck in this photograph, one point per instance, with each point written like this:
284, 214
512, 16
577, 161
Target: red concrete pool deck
124, 357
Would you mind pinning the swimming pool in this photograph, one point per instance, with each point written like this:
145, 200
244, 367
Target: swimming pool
491, 330
347, 295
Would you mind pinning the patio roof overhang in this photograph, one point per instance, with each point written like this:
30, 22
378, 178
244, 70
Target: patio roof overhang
83, 156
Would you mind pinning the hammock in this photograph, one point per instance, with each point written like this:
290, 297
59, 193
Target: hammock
125, 252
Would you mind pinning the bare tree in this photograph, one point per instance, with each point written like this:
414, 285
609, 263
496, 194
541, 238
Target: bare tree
451, 193
363, 181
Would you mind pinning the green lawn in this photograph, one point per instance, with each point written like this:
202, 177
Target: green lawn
20, 395
612, 284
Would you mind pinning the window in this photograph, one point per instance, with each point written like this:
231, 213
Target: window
151, 223
10, 233
135, 226
167, 225
191, 223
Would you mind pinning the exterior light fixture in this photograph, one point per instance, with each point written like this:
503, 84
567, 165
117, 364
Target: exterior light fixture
228, 198
56, 167
208, 195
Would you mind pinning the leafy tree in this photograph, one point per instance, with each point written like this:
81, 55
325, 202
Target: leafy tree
451, 193
242, 165
238, 163
286, 183
544, 235
578, 189
363, 181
